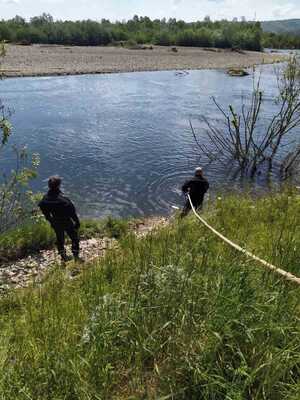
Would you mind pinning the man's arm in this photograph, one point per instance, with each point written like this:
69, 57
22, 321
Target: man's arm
185, 188
45, 211
74, 215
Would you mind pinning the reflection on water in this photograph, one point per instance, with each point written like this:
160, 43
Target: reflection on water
122, 142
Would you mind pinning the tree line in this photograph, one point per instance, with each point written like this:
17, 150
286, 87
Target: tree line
221, 34
142, 30
281, 40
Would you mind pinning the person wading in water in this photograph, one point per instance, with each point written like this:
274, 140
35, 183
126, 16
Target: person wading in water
196, 188
61, 213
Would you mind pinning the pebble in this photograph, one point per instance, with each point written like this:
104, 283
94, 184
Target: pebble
21, 273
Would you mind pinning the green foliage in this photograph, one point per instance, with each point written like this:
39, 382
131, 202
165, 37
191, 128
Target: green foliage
175, 315
43, 29
36, 234
221, 34
26, 239
131, 44
109, 227
281, 41
282, 34
164, 39
243, 143
16, 200
115, 228
200, 38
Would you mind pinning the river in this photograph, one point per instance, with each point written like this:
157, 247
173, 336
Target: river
122, 142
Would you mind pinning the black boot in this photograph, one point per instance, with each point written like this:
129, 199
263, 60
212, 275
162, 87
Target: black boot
65, 258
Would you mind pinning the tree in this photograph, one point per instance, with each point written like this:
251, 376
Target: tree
240, 141
17, 20
5, 32
42, 20
43, 29
16, 199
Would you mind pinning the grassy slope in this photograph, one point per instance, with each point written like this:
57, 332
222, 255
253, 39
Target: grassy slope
177, 315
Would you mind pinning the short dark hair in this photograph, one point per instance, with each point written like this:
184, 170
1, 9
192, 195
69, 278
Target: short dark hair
54, 182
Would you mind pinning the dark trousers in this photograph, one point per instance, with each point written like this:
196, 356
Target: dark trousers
197, 203
69, 229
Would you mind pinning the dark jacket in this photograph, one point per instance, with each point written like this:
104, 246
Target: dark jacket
197, 187
58, 209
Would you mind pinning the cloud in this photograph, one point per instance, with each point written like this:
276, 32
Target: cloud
176, 4
188, 10
9, 2
283, 11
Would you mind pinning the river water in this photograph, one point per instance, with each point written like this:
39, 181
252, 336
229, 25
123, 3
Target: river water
122, 142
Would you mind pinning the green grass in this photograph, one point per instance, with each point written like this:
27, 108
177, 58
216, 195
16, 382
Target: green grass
37, 235
177, 315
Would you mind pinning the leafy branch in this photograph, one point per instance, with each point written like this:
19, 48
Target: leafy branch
241, 138
16, 199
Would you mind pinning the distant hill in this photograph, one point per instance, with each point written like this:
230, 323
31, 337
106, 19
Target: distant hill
284, 26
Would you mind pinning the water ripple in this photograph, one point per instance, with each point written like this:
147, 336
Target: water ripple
122, 142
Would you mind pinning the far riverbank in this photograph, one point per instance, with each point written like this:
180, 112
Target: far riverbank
48, 60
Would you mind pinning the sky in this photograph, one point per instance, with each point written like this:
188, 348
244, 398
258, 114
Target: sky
188, 10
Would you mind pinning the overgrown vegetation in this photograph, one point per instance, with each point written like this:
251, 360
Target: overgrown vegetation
222, 34
176, 315
36, 235
243, 140
281, 40
283, 34
141, 30
16, 198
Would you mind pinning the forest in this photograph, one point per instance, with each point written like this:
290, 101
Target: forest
142, 30
281, 40
206, 33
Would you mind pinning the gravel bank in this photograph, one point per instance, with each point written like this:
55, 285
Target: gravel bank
34, 268
43, 60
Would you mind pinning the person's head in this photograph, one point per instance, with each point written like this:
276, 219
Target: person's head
54, 183
198, 171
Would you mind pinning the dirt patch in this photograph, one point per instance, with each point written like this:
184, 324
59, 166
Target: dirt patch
43, 60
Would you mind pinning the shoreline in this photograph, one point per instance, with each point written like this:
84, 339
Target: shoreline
55, 60
19, 272
65, 74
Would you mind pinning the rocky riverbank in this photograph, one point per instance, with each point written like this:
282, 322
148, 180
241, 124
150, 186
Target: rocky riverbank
21, 273
46, 60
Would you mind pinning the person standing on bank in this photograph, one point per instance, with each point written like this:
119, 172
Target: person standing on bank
196, 188
61, 214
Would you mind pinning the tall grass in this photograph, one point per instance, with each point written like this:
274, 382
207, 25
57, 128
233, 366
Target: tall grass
177, 315
37, 235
